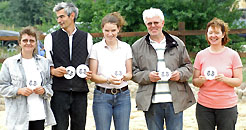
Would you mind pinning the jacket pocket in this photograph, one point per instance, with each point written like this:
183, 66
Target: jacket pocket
181, 87
16, 80
142, 88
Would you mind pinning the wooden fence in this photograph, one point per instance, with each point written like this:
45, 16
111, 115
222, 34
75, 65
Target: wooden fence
181, 33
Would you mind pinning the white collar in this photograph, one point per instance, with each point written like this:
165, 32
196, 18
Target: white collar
163, 41
75, 29
106, 46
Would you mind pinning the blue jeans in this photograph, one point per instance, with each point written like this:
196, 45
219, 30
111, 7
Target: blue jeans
160, 111
69, 103
107, 105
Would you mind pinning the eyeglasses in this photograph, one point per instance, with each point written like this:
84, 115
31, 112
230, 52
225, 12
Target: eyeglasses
151, 23
30, 41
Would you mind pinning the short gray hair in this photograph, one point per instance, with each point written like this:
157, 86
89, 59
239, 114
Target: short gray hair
68, 7
152, 12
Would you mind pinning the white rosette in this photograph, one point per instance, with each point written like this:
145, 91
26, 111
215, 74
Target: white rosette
81, 70
118, 74
210, 73
165, 74
70, 72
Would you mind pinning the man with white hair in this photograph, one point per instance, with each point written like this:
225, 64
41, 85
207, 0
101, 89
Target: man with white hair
161, 67
68, 47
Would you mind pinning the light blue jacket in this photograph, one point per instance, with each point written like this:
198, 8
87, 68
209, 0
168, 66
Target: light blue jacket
12, 77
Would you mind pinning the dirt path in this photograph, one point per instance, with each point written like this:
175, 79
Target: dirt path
137, 121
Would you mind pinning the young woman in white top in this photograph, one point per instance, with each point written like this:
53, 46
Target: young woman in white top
111, 66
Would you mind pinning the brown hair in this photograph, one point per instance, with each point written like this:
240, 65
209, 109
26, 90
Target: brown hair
114, 17
31, 31
215, 22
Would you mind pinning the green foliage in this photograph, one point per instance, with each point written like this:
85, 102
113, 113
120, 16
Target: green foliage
96, 11
48, 17
28, 12
25, 12
243, 61
244, 68
5, 54
236, 42
4, 19
195, 13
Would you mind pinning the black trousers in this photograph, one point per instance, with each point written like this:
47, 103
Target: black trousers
208, 118
65, 104
36, 125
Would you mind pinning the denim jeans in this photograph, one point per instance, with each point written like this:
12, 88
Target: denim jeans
208, 118
107, 105
69, 103
158, 112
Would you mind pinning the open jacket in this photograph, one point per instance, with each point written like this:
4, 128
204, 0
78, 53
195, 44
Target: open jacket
176, 58
12, 77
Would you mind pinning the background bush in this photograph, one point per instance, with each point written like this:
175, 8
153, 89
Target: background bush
195, 13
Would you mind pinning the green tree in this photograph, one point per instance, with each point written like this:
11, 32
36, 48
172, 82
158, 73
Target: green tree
47, 16
4, 19
25, 12
195, 13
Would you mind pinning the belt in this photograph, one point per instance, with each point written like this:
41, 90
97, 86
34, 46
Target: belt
112, 91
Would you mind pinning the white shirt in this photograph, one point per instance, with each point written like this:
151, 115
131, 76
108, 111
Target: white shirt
48, 45
33, 80
110, 61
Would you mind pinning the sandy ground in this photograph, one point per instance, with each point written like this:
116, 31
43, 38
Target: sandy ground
137, 121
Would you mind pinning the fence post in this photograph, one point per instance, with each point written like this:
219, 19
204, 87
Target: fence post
181, 26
